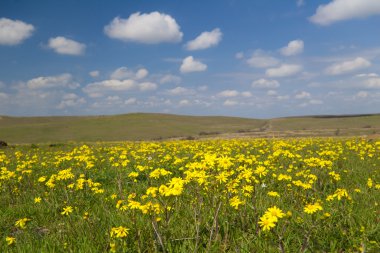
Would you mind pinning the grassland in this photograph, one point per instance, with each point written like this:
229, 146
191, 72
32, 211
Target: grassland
246, 195
140, 126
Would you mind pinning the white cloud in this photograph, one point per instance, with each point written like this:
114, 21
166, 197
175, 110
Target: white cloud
94, 73
70, 100
302, 95
43, 82
130, 101
148, 28
294, 47
147, 86
339, 10
205, 40
184, 102
315, 102
62, 45
372, 83
191, 65
265, 83
170, 79
228, 93
230, 102
97, 89
272, 93
13, 32
177, 91
284, 70
348, 66
141, 74
113, 98
368, 75
123, 73
260, 60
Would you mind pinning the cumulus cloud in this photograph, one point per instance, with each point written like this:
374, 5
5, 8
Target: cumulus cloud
170, 79
148, 28
13, 32
272, 93
348, 66
315, 102
372, 83
228, 93
184, 102
284, 70
205, 40
94, 73
339, 10
189, 64
368, 75
97, 89
265, 83
177, 91
261, 60
123, 73
302, 95
147, 86
130, 101
70, 100
230, 102
44, 82
62, 45
141, 74
294, 47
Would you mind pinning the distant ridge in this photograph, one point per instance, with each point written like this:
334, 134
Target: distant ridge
156, 126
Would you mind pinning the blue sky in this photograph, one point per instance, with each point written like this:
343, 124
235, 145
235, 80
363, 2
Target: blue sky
250, 58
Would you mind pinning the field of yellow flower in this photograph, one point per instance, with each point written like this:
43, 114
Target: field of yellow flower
261, 195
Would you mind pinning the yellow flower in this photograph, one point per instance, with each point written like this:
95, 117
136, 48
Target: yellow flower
235, 202
267, 222
275, 212
67, 210
369, 183
21, 223
119, 232
37, 200
86, 215
10, 240
42, 179
273, 194
312, 208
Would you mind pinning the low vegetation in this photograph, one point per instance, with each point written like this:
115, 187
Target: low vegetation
262, 195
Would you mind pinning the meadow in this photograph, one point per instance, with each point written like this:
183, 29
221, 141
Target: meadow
246, 195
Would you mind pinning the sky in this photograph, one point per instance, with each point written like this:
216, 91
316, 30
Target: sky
245, 58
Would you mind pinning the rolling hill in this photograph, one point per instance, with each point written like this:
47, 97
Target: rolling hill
147, 126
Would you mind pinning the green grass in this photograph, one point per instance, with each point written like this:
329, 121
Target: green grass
145, 126
197, 214
137, 126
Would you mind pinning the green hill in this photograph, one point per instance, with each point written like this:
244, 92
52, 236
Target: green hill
146, 126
